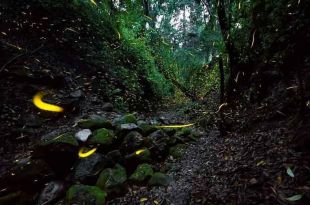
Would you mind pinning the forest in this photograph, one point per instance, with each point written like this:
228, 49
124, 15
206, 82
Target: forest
154, 102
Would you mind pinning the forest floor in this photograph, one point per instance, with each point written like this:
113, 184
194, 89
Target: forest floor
248, 165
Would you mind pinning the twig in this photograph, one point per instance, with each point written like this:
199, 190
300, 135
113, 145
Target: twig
18, 56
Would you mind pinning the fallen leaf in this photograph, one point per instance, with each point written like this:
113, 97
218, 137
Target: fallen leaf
290, 172
262, 162
294, 198
143, 199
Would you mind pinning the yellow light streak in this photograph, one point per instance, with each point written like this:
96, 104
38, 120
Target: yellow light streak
174, 126
140, 151
119, 35
83, 153
37, 101
92, 1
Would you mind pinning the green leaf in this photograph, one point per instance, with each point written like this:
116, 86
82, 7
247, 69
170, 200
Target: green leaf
294, 198
290, 172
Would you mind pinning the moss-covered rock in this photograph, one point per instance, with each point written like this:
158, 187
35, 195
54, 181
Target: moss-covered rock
95, 123
185, 135
111, 179
66, 138
143, 154
146, 129
87, 195
102, 136
159, 179
177, 150
142, 172
126, 119
132, 141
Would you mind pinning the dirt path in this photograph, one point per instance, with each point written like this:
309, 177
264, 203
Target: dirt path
247, 166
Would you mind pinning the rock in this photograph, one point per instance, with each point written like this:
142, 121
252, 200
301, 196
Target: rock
95, 122
142, 172
113, 157
83, 194
59, 152
177, 151
51, 192
83, 135
159, 179
128, 127
76, 94
123, 129
169, 131
89, 167
126, 119
108, 107
185, 135
66, 138
136, 158
146, 129
112, 179
132, 141
159, 141
102, 136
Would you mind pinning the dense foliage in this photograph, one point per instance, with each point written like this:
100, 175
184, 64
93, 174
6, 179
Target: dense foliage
147, 50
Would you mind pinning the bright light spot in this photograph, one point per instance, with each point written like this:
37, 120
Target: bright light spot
92, 1
138, 152
83, 153
37, 101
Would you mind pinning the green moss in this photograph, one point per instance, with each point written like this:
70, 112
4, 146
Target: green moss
111, 178
102, 136
126, 119
177, 151
159, 179
142, 172
145, 155
66, 138
87, 195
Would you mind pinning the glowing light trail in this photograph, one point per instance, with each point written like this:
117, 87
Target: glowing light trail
83, 154
37, 101
174, 126
140, 151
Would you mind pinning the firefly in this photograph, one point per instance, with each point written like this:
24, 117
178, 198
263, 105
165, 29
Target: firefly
175, 126
138, 152
83, 154
37, 101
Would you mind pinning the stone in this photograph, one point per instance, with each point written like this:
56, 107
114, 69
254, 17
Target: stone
66, 138
108, 107
102, 136
76, 94
89, 167
84, 194
159, 179
146, 129
159, 141
126, 119
94, 122
128, 127
132, 141
111, 179
83, 135
113, 157
142, 172
51, 192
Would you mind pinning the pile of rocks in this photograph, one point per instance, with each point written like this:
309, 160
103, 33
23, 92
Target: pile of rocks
125, 152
